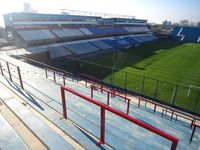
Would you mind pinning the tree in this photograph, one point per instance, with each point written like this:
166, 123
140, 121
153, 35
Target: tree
192, 24
2, 33
198, 24
184, 23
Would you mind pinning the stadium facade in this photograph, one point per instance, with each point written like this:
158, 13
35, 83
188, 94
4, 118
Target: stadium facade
25, 28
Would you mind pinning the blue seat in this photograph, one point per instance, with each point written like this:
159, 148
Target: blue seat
132, 41
108, 31
101, 44
191, 34
81, 48
118, 43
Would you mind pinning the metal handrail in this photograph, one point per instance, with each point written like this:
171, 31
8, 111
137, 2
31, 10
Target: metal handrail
116, 112
110, 92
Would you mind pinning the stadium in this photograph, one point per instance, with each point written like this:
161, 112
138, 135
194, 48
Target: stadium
73, 81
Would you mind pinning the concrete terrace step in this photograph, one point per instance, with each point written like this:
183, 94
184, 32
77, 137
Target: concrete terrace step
93, 117
144, 114
130, 134
49, 92
44, 132
79, 135
9, 139
182, 132
26, 135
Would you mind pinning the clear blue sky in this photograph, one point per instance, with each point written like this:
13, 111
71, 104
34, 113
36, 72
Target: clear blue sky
153, 10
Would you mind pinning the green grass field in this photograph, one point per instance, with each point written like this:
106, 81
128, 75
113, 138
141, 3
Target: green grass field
165, 70
164, 60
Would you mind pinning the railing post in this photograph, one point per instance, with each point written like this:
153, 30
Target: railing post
7, 64
91, 91
54, 76
125, 84
101, 88
163, 112
112, 92
128, 106
172, 115
1, 69
154, 110
102, 136
139, 102
108, 98
46, 73
145, 105
125, 97
20, 78
142, 90
64, 103
166, 111
174, 145
192, 134
192, 122
176, 118
63, 79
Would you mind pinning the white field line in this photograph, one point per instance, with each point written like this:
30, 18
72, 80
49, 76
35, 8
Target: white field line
192, 86
162, 86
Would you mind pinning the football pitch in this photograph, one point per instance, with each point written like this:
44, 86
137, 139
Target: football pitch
165, 69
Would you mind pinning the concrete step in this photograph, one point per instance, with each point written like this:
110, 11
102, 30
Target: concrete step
9, 139
21, 130
50, 93
38, 127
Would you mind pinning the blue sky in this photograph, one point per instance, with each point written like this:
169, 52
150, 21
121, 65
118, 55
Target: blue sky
153, 10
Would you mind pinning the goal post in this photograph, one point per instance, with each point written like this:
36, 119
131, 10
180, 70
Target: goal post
192, 87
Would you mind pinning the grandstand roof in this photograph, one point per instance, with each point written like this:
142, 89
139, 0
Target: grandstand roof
38, 16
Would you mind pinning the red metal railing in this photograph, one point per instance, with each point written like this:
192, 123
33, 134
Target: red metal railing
175, 112
96, 81
110, 93
116, 112
8, 64
64, 75
87, 79
193, 131
82, 75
